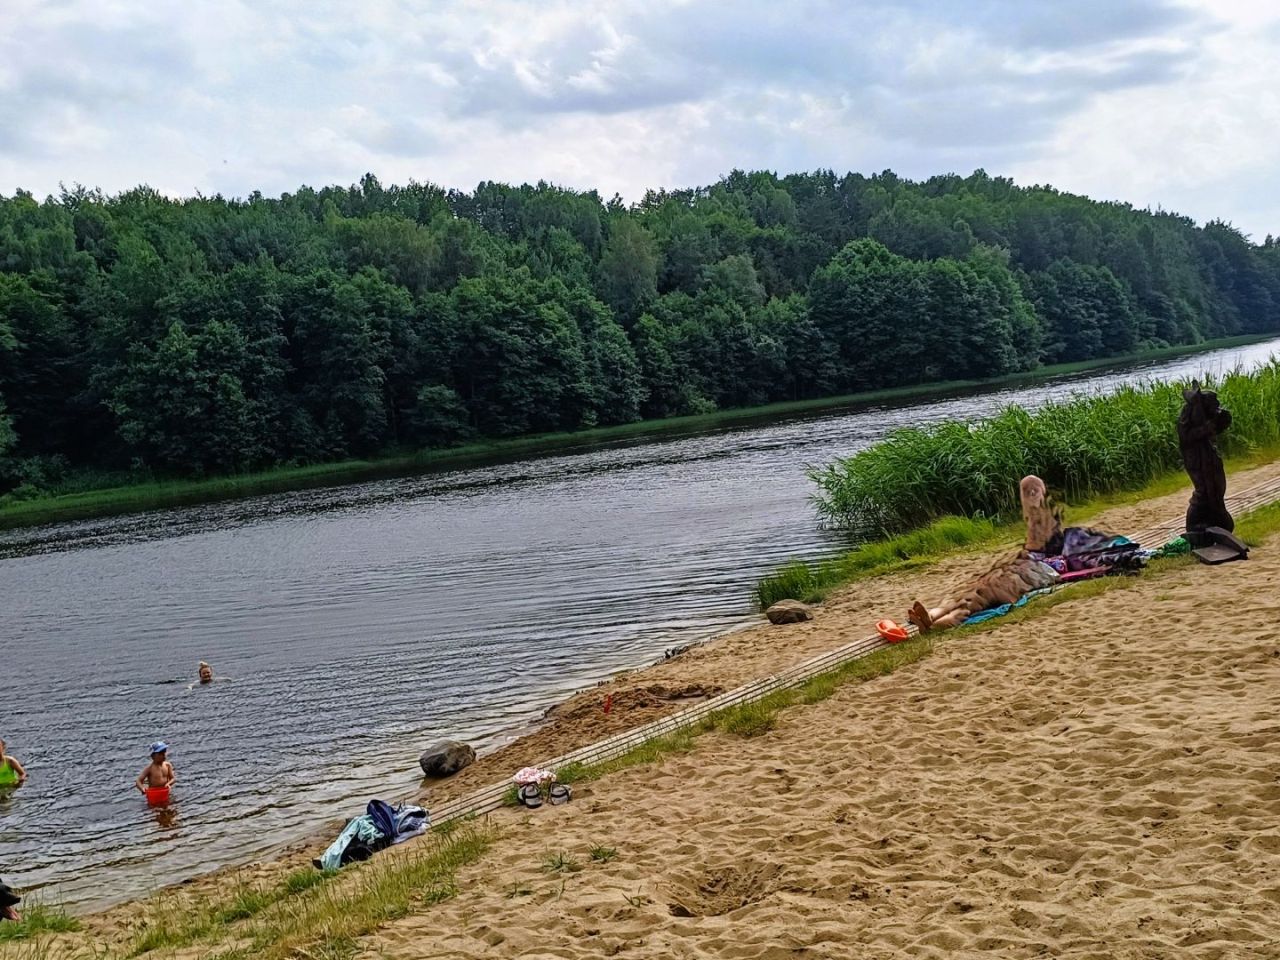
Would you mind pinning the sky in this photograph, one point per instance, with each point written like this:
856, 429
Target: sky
1165, 104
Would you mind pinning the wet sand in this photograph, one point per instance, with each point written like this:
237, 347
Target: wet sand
1098, 781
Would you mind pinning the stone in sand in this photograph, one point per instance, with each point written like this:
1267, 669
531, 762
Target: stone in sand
446, 758
788, 611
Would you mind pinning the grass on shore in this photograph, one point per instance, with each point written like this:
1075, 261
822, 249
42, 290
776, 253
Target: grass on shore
76, 502
172, 922
37, 919
314, 914
812, 581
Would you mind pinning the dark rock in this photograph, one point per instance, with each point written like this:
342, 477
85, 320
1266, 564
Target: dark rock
788, 611
446, 758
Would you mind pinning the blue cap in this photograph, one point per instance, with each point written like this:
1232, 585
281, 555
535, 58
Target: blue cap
159, 747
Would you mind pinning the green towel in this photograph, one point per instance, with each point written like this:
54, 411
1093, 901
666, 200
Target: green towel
1174, 548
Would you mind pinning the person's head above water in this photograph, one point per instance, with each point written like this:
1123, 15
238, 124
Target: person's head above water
206, 672
158, 750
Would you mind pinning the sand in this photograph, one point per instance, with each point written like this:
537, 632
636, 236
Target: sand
1097, 782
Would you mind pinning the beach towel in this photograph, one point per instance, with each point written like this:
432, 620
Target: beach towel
992, 612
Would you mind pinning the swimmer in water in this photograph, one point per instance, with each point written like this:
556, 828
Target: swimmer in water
158, 774
206, 673
12, 773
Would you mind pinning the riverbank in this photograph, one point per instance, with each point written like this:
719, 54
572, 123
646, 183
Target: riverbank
608, 810
158, 495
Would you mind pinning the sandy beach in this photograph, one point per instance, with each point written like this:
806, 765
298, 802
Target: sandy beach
1098, 781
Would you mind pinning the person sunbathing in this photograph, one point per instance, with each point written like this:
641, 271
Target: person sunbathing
1007, 581
1010, 578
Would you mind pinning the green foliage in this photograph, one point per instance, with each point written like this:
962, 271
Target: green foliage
751, 719
37, 919
324, 916
180, 338
810, 582
304, 879
561, 862
1257, 525
1085, 446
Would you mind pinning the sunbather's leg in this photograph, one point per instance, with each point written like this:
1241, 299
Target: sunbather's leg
953, 619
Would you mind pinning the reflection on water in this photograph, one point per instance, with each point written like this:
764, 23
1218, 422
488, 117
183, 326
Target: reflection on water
360, 623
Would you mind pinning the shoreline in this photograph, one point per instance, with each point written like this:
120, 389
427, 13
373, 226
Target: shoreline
158, 495
647, 693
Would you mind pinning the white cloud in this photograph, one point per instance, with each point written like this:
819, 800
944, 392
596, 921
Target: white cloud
1143, 100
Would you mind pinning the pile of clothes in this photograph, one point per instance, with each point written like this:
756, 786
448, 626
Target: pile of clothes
1079, 550
381, 826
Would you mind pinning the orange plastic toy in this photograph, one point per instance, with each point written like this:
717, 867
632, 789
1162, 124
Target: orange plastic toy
890, 631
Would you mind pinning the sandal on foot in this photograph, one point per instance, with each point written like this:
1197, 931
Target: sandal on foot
559, 793
529, 796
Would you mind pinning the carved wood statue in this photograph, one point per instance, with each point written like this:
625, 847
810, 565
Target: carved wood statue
1199, 424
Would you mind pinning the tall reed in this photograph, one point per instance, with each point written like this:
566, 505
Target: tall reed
1088, 445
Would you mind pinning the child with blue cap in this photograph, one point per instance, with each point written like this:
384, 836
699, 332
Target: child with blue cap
158, 776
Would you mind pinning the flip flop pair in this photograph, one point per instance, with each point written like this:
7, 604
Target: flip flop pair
530, 795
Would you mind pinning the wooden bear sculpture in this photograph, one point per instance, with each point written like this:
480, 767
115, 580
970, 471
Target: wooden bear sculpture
1199, 424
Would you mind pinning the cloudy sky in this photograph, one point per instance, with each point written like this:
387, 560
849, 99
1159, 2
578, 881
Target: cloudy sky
1163, 103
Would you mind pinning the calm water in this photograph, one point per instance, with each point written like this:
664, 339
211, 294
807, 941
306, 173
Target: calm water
357, 624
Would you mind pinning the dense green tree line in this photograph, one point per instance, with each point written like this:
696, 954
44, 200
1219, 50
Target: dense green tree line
183, 337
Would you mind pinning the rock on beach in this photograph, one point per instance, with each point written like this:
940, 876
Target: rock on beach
446, 758
789, 611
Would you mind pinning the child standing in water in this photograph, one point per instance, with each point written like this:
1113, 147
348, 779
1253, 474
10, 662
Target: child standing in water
157, 777
12, 773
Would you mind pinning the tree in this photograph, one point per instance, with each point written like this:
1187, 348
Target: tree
629, 269
871, 304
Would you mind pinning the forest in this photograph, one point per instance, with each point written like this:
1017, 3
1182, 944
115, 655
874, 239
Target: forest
146, 336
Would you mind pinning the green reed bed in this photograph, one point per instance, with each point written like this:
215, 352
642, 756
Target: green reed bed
1084, 447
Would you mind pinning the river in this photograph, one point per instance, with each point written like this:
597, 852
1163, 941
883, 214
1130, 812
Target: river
354, 625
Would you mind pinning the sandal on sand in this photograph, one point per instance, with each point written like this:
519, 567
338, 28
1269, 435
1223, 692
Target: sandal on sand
559, 793
530, 796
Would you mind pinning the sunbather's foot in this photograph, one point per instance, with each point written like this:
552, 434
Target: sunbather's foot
920, 617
